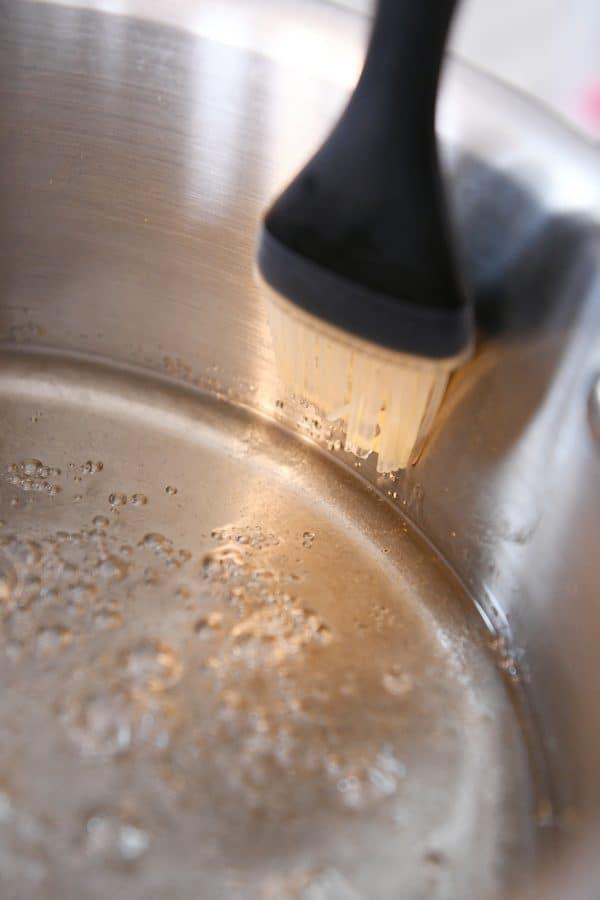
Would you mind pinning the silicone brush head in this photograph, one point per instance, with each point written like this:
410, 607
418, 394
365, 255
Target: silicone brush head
387, 400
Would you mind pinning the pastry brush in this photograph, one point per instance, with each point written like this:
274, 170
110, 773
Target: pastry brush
367, 314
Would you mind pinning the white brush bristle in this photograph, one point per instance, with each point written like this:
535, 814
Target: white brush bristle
388, 401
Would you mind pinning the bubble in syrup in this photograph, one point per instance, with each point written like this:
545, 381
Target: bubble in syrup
350, 789
90, 467
150, 576
31, 466
308, 539
100, 724
158, 543
252, 536
26, 552
369, 782
80, 592
323, 633
171, 490
138, 499
77, 498
50, 639
112, 568
205, 626
211, 565
100, 521
53, 490
67, 569
133, 842
99, 835
107, 618
154, 666
117, 500
225, 563
48, 595
153, 540
397, 683
108, 837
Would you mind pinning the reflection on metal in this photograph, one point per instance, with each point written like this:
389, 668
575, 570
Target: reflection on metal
137, 161
321, 41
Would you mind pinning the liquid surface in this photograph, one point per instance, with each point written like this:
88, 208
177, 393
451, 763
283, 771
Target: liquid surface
229, 669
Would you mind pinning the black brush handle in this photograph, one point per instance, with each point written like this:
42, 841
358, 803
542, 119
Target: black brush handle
368, 210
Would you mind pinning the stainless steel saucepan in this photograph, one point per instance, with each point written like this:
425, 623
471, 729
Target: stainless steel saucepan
235, 662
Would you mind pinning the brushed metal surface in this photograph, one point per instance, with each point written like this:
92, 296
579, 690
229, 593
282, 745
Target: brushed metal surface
136, 161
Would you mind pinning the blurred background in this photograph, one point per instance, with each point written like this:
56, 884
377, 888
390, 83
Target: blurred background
549, 48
